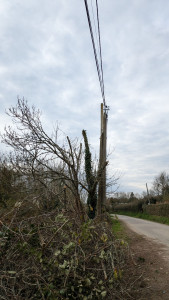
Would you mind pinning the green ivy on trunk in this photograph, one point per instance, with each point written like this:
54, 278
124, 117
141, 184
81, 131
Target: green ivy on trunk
90, 178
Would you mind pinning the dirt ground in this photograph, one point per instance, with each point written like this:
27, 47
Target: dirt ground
151, 263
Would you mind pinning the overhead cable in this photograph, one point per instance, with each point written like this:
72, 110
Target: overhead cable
100, 51
100, 73
95, 29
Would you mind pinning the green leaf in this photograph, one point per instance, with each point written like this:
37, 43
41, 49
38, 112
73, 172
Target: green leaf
64, 265
103, 294
57, 252
102, 254
88, 282
12, 272
62, 291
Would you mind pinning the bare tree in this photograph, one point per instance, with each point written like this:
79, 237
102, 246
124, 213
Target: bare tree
161, 184
44, 157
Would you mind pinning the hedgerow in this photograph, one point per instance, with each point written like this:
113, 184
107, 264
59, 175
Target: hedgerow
52, 256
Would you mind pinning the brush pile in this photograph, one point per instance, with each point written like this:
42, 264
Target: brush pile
52, 256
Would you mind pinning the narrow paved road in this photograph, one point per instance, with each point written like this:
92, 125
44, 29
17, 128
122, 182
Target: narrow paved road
156, 231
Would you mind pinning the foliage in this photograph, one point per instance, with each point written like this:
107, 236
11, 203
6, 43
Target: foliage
135, 206
17, 187
51, 256
91, 179
161, 209
6, 180
11, 184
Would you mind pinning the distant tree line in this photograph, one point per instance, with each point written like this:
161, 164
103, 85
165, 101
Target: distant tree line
159, 193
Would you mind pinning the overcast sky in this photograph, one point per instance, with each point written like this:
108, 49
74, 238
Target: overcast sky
46, 56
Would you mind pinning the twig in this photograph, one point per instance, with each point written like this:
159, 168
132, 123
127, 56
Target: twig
104, 270
39, 287
45, 246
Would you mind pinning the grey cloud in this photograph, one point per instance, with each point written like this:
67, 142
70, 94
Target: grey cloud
46, 56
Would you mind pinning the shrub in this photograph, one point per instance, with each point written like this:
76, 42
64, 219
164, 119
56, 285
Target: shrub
135, 206
52, 256
161, 209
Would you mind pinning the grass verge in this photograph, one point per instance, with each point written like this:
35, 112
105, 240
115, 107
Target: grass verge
159, 219
118, 228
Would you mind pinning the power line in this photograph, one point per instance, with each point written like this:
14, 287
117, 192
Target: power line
94, 24
100, 73
100, 51
93, 43
98, 38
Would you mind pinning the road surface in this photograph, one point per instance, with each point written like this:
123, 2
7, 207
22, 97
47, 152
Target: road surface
156, 231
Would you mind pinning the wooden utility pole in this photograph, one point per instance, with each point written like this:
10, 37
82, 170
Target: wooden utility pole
102, 160
148, 195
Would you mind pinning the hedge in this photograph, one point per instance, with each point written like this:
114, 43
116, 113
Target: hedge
161, 209
135, 206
